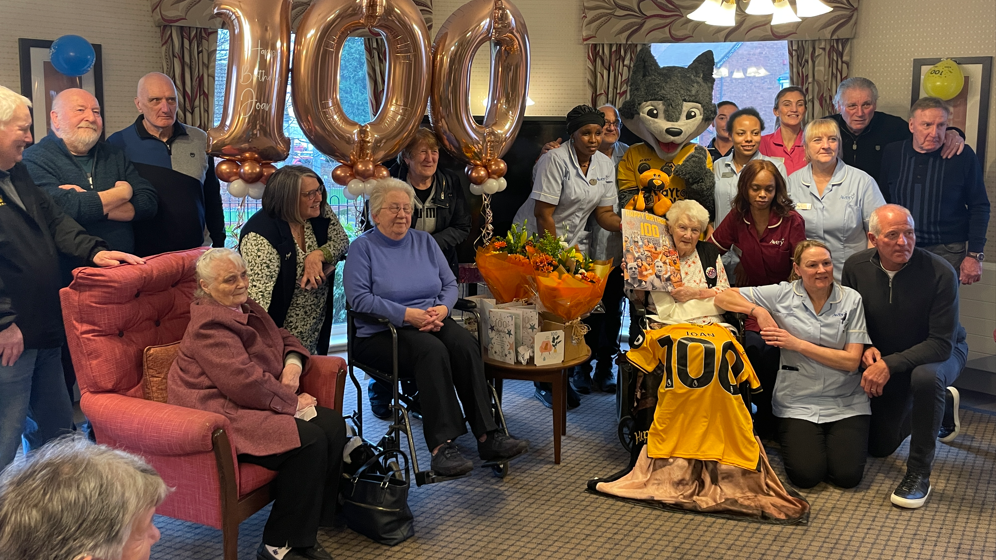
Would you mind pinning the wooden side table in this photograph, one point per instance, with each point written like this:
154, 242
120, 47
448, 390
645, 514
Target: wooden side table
555, 374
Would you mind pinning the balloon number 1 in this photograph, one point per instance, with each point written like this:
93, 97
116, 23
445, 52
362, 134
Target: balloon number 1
250, 136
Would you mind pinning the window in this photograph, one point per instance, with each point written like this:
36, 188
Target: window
355, 102
748, 74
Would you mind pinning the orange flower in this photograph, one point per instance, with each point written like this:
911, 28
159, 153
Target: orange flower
517, 259
542, 263
499, 244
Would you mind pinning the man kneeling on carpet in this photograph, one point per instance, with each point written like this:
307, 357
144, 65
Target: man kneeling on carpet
235, 361
399, 273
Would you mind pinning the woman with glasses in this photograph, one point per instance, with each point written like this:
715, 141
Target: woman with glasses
400, 273
291, 247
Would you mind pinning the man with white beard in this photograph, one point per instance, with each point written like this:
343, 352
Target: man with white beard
92, 181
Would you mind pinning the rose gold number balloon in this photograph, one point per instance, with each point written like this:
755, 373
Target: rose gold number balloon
315, 75
252, 118
467, 29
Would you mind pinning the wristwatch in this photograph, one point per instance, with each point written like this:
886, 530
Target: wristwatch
977, 256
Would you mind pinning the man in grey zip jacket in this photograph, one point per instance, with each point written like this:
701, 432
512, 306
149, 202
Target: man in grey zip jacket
910, 298
92, 181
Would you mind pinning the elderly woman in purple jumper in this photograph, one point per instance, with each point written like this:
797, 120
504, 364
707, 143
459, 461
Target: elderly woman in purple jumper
401, 274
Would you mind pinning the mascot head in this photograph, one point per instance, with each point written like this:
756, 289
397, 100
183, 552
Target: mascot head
669, 106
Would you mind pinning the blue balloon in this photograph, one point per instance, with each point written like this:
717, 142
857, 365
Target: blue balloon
72, 55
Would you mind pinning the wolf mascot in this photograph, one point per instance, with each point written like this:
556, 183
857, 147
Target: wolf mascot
668, 107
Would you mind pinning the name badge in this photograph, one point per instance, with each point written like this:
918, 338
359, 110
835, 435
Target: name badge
728, 175
592, 182
803, 206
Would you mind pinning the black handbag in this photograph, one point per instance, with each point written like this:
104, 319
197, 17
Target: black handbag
375, 504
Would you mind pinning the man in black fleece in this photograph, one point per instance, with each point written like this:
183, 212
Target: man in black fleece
910, 298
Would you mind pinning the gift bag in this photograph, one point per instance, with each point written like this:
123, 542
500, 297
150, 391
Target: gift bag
375, 499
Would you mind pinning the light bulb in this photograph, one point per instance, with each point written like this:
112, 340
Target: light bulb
783, 13
726, 16
760, 8
810, 8
705, 11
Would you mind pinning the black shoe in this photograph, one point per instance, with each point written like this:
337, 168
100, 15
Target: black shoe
951, 424
912, 492
449, 462
312, 553
544, 396
581, 380
499, 446
605, 381
292, 554
573, 398
380, 399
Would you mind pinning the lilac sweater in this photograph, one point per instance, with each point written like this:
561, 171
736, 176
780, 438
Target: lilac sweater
384, 277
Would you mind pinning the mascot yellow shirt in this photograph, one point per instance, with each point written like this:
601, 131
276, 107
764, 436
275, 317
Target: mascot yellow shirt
700, 413
639, 154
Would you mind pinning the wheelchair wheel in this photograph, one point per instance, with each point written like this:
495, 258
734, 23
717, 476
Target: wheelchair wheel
501, 471
626, 425
396, 469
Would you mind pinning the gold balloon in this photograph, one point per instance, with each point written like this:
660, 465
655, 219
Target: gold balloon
473, 25
251, 172
478, 175
381, 172
363, 169
497, 168
268, 169
343, 174
227, 170
323, 30
944, 80
252, 117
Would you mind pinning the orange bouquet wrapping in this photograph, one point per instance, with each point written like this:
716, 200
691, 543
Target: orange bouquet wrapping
507, 276
568, 296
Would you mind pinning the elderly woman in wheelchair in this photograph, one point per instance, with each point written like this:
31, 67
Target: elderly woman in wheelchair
401, 275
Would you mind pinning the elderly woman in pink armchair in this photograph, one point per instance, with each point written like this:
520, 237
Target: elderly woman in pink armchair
235, 361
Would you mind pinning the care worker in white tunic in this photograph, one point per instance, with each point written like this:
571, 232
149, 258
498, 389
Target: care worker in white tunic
573, 182
835, 199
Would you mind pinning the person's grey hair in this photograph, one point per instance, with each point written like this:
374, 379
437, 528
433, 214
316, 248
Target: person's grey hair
9, 101
614, 110
204, 269
688, 209
875, 223
73, 498
854, 83
928, 103
385, 186
282, 195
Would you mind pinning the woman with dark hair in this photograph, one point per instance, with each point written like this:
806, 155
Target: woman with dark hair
786, 141
572, 183
291, 246
819, 325
765, 229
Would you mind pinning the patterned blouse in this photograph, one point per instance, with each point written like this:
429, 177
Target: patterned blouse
307, 307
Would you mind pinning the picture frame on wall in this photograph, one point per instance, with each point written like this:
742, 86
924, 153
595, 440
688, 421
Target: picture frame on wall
41, 82
971, 106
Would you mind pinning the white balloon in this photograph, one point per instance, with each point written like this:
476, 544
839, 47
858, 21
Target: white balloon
346, 193
490, 186
368, 186
355, 188
476, 190
238, 188
502, 183
256, 190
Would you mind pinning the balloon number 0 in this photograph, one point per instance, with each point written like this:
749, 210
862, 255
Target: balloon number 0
251, 135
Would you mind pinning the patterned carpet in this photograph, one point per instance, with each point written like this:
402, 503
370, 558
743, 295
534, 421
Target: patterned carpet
541, 510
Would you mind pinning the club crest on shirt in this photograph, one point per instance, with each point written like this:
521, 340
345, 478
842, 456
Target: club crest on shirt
711, 272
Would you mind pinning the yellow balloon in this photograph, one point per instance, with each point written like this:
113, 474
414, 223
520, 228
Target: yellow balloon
944, 80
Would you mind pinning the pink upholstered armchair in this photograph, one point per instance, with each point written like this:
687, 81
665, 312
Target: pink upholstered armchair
112, 315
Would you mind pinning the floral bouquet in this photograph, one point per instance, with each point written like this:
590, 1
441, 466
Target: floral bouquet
504, 265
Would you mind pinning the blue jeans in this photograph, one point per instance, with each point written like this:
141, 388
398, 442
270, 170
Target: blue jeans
34, 403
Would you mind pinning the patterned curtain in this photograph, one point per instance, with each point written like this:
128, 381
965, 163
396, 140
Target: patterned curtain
609, 66
188, 58
376, 51
818, 67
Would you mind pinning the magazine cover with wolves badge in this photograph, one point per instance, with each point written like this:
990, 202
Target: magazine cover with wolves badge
650, 261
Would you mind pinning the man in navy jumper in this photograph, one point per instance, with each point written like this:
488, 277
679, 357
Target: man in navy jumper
947, 197
172, 157
92, 181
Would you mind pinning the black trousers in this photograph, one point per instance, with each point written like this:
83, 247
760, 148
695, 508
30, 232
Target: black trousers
765, 361
834, 451
603, 334
912, 404
307, 484
439, 361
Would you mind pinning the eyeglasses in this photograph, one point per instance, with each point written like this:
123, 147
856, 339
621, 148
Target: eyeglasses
398, 208
312, 195
613, 124
685, 229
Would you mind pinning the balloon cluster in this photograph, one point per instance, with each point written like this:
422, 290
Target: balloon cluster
489, 179
247, 177
359, 179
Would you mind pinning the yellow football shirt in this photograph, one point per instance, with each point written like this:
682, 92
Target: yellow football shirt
700, 413
643, 155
